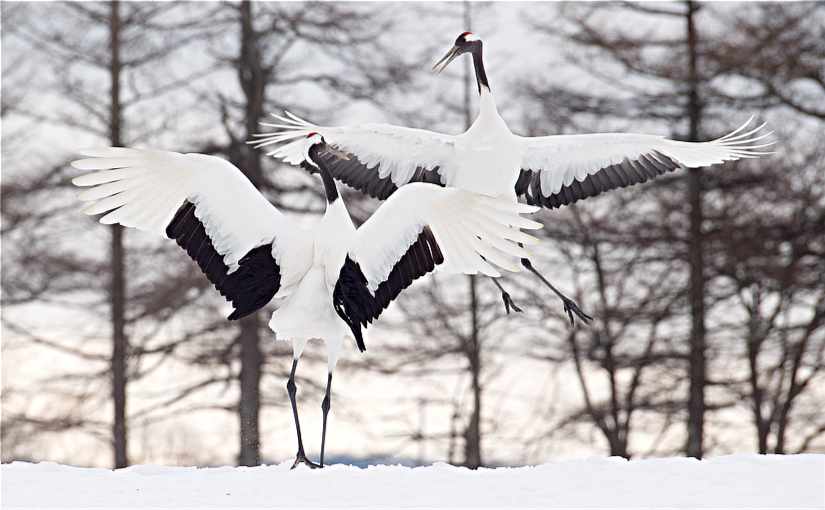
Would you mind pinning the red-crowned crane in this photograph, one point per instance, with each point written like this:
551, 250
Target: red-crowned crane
327, 282
550, 171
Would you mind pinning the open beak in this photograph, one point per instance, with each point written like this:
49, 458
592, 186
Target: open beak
446, 59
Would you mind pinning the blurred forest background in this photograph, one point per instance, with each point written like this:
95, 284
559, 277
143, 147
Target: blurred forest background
707, 287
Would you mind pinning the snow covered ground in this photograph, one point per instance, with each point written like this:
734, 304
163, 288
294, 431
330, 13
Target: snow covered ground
737, 481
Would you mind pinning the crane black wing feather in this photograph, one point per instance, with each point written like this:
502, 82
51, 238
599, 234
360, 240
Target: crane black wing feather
626, 173
250, 287
208, 206
357, 175
354, 302
563, 169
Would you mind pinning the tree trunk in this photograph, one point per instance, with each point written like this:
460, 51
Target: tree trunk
754, 346
696, 358
117, 290
618, 446
472, 434
250, 399
781, 428
252, 80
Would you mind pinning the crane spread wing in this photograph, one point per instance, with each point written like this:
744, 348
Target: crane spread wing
373, 158
560, 170
243, 244
420, 227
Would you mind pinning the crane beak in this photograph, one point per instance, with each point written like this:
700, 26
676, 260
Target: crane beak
446, 59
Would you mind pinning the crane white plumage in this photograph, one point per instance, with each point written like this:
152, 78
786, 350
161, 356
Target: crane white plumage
549, 171
327, 282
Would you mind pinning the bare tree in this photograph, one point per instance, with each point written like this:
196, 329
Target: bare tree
665, 78
772, 248
122, 42
678, 76
771, 262
624, 362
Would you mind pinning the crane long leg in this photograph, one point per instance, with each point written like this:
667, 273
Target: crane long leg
570, 306
325, 409
505, 296
300, 457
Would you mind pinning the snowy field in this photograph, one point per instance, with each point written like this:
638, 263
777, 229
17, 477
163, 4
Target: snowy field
737, 481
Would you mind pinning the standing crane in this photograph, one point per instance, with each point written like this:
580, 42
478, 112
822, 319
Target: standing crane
548, 171
328, 282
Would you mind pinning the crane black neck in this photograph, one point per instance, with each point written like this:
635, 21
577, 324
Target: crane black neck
330, 188
478, 64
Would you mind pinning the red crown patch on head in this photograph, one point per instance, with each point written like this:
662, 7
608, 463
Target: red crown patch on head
465, 34
310, 135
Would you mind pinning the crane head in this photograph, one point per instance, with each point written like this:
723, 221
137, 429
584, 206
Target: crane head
467, 42
314, 138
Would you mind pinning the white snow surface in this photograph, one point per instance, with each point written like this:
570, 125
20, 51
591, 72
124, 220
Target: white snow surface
735, 481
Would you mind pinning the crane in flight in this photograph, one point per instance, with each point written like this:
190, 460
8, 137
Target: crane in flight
548, 171
327, 282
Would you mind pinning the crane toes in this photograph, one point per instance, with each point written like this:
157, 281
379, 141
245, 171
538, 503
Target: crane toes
301, 458
508, 303
570, 307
